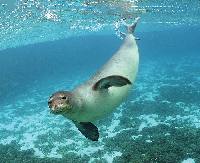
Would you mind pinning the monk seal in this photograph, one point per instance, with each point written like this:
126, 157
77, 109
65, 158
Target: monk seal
103, 92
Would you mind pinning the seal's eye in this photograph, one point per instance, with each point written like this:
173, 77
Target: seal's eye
64, 97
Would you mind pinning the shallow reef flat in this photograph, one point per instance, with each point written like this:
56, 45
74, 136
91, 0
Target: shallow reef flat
159, 122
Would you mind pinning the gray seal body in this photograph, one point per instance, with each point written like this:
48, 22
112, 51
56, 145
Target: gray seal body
102, 93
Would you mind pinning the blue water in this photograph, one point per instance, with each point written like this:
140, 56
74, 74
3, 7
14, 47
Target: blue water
159, 122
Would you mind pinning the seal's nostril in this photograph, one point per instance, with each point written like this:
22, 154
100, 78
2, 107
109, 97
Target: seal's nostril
49, 103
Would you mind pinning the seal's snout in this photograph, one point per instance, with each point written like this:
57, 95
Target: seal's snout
55, 105
59, 102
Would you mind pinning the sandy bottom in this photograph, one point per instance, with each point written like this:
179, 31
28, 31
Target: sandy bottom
159, 122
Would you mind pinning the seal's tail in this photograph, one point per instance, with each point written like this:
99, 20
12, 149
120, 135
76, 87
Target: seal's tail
131, 27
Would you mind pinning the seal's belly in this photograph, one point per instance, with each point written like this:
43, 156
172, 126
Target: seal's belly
99, 104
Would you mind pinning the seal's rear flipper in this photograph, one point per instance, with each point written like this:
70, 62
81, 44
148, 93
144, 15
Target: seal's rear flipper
109, 81
131, 27
88, 129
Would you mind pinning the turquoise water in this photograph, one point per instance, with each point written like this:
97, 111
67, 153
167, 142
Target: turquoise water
56, 45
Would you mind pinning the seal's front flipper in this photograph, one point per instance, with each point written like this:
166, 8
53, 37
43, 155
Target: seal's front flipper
114, 80
88, 129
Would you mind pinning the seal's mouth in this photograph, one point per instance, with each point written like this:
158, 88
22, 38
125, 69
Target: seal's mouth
55, 108
56, 111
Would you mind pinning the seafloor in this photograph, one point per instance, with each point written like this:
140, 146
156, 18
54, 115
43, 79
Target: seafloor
159, 122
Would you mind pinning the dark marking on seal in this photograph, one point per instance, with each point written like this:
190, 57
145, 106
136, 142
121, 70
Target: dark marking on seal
113, 80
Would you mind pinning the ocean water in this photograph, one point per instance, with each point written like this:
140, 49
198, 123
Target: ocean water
46, 46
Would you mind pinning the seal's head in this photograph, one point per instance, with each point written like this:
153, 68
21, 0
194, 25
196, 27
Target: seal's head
60, 102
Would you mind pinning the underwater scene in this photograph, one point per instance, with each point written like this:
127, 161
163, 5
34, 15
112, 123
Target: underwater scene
52, 45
